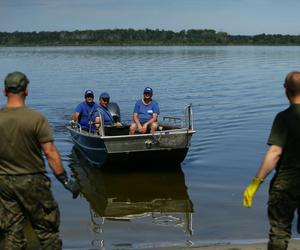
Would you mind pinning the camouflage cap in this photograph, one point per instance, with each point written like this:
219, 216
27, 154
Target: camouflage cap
15, 82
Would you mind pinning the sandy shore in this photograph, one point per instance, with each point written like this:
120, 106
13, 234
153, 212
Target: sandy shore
238, 245
294, 245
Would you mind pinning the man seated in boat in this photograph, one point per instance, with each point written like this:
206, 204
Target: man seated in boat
84, 113
146, 111
103, 108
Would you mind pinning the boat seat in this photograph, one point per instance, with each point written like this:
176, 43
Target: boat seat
111, 131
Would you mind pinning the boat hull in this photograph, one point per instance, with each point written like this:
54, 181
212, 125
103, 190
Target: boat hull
166, 147
149, 158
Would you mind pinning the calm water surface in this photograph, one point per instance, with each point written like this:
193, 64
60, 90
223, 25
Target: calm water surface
235, 92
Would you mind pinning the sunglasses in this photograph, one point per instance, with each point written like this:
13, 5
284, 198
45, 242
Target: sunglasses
89, 96
105, 99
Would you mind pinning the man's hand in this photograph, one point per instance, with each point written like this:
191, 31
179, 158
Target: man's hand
72, 123
145, 126
250, 191
70, 185
73, 187
118, 124
141, 129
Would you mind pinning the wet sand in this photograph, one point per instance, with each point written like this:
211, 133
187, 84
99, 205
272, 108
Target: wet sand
293, 245
234, 245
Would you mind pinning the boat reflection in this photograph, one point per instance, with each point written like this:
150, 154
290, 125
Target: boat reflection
128, 195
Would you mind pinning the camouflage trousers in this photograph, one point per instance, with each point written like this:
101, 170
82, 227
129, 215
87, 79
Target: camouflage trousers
284, 201
28, 196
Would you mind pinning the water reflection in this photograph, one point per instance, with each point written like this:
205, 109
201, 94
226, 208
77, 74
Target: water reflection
130, 195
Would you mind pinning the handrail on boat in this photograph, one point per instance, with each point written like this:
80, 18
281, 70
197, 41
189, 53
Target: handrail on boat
75, 125
188, 119
174, 120
189, 123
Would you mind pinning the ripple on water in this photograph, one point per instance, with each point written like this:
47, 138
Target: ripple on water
235, 92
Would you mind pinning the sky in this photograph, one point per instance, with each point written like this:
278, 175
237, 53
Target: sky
236, 17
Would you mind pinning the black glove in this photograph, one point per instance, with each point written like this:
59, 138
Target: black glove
70, 185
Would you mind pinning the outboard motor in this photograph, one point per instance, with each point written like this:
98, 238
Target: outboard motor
114, 109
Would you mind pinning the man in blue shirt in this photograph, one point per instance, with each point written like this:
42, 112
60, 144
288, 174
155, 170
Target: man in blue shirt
104, 101
84, 113
145, 114
103, 108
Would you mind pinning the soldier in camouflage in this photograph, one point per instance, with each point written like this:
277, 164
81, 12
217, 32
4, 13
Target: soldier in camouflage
25, 191
283, 153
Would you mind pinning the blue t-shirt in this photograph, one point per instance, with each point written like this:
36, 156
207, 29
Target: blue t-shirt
144, 111
86, 113
108, 119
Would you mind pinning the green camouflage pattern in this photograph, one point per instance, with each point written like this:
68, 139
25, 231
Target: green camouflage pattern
28, 197
16, 82
284, 201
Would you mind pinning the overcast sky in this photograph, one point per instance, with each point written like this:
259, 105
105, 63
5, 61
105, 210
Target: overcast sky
245, 17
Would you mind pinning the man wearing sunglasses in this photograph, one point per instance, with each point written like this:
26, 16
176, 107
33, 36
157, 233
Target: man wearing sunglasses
103, 108
146, 111
84, 112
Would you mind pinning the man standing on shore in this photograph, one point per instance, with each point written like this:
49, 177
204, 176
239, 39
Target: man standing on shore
283, 152
24, 187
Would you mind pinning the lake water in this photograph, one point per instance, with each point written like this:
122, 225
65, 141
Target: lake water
235, 92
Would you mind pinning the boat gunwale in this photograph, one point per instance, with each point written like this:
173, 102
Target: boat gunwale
156, 133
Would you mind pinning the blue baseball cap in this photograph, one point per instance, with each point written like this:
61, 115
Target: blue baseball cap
148, 90
104, 95
89, 93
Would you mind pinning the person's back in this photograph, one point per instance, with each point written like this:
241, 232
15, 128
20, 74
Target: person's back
288, 123
20, 148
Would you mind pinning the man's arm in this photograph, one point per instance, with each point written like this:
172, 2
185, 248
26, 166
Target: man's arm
137, 121
75, 116
53, 157
55, 164
269, 162
97, 122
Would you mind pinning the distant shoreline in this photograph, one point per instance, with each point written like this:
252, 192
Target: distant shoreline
146, 37
143, 45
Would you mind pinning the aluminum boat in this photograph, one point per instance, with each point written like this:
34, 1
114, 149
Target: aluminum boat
114, 146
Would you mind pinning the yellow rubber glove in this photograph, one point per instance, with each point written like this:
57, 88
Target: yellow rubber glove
251, 190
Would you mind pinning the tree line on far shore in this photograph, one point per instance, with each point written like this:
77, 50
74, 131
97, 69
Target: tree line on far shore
141, 37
